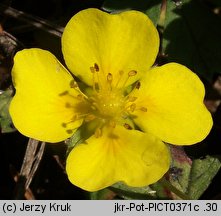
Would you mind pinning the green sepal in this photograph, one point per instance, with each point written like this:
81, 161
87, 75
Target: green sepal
82, 133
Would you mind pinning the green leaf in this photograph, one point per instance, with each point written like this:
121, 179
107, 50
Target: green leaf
180, 168
5, 119
202, 173
104, 194
192, 177
154, 13
162, 192
192, 37
175, 183
127, 192
149, 7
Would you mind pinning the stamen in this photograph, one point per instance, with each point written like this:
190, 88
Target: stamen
69, 131
132, 73
64, 93
132, 99
109, 77
137, 86
127, 126
68, 105
144, 109
92, 69
64, 125
121, 74
96, 79
109, 80
98, 133
87, 117
132, 107
96, 67
80, 96
73, 84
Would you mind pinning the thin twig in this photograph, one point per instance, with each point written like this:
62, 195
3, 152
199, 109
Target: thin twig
35, 165
32, 158
29, 157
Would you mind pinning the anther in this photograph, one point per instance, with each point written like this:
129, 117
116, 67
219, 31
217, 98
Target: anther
132, 73
63, 93
96, 67
144, 109
80, 96
127, 126
132, 107
68, 105
74, 118
69, 131
109, 77
138, 84
73, 84
64, 125
132, 99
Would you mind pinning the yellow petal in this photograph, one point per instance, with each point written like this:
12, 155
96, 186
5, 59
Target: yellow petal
118, 42
173, 98
44, 101
131, 156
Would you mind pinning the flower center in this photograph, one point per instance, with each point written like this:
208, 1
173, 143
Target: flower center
108, 103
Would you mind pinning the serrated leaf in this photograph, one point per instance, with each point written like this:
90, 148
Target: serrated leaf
192, 37
192, 177
5, 119
202, 173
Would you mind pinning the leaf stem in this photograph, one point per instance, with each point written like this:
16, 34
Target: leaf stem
173, 189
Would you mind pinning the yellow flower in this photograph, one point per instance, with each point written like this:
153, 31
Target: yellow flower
135, 107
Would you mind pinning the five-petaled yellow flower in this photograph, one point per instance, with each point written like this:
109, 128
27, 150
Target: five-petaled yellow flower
135, 107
